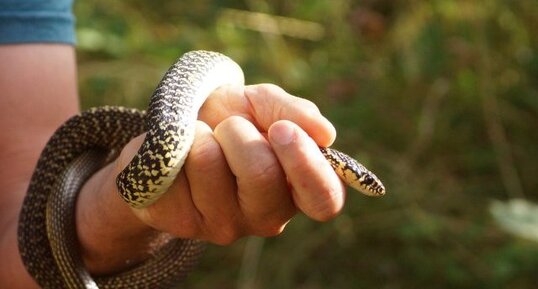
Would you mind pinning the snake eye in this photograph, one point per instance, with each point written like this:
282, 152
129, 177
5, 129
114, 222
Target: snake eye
367, 181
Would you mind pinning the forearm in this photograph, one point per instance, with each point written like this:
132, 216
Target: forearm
38, 93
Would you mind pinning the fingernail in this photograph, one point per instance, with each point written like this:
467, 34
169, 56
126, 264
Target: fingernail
282, 133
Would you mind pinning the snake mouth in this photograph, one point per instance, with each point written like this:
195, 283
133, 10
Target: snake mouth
379, 190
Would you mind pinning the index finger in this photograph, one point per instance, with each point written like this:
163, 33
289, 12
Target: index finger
265, 104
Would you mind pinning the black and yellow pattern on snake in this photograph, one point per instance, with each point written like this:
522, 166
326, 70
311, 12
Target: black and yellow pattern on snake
48, 245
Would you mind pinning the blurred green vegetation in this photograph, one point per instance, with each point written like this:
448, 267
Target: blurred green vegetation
439, 98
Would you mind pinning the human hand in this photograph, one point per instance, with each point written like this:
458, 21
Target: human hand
254, 163
239, 182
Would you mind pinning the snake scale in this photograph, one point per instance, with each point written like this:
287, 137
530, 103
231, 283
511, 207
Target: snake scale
46, 233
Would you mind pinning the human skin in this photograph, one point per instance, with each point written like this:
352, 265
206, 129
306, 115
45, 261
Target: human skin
254, 164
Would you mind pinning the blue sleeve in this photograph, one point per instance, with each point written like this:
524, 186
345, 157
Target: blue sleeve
36, 21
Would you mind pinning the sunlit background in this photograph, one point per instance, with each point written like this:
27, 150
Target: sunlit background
439, 98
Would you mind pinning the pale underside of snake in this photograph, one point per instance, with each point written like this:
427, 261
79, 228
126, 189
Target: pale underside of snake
47, 238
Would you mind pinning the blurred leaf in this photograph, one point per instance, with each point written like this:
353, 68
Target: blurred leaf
517, 216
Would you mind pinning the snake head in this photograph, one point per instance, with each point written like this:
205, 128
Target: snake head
353, 173
369, 184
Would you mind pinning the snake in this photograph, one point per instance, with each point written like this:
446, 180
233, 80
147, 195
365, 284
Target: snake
47, 238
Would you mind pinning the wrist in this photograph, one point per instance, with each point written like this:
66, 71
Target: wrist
111, 237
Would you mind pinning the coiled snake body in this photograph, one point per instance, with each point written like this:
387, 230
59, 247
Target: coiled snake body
47, 241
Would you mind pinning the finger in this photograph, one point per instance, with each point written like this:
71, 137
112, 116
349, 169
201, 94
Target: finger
264, 104
213, 188
226, 101
271, 103
317, 190
263, 192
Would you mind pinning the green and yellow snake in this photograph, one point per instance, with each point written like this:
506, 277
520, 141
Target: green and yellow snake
47, 238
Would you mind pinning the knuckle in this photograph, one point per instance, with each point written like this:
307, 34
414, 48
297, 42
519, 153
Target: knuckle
306, 104
273, 223
225, 231
228, 123
298, 104
233, 119
266, 89
205, 154
227, 235
264, 173
270, 230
